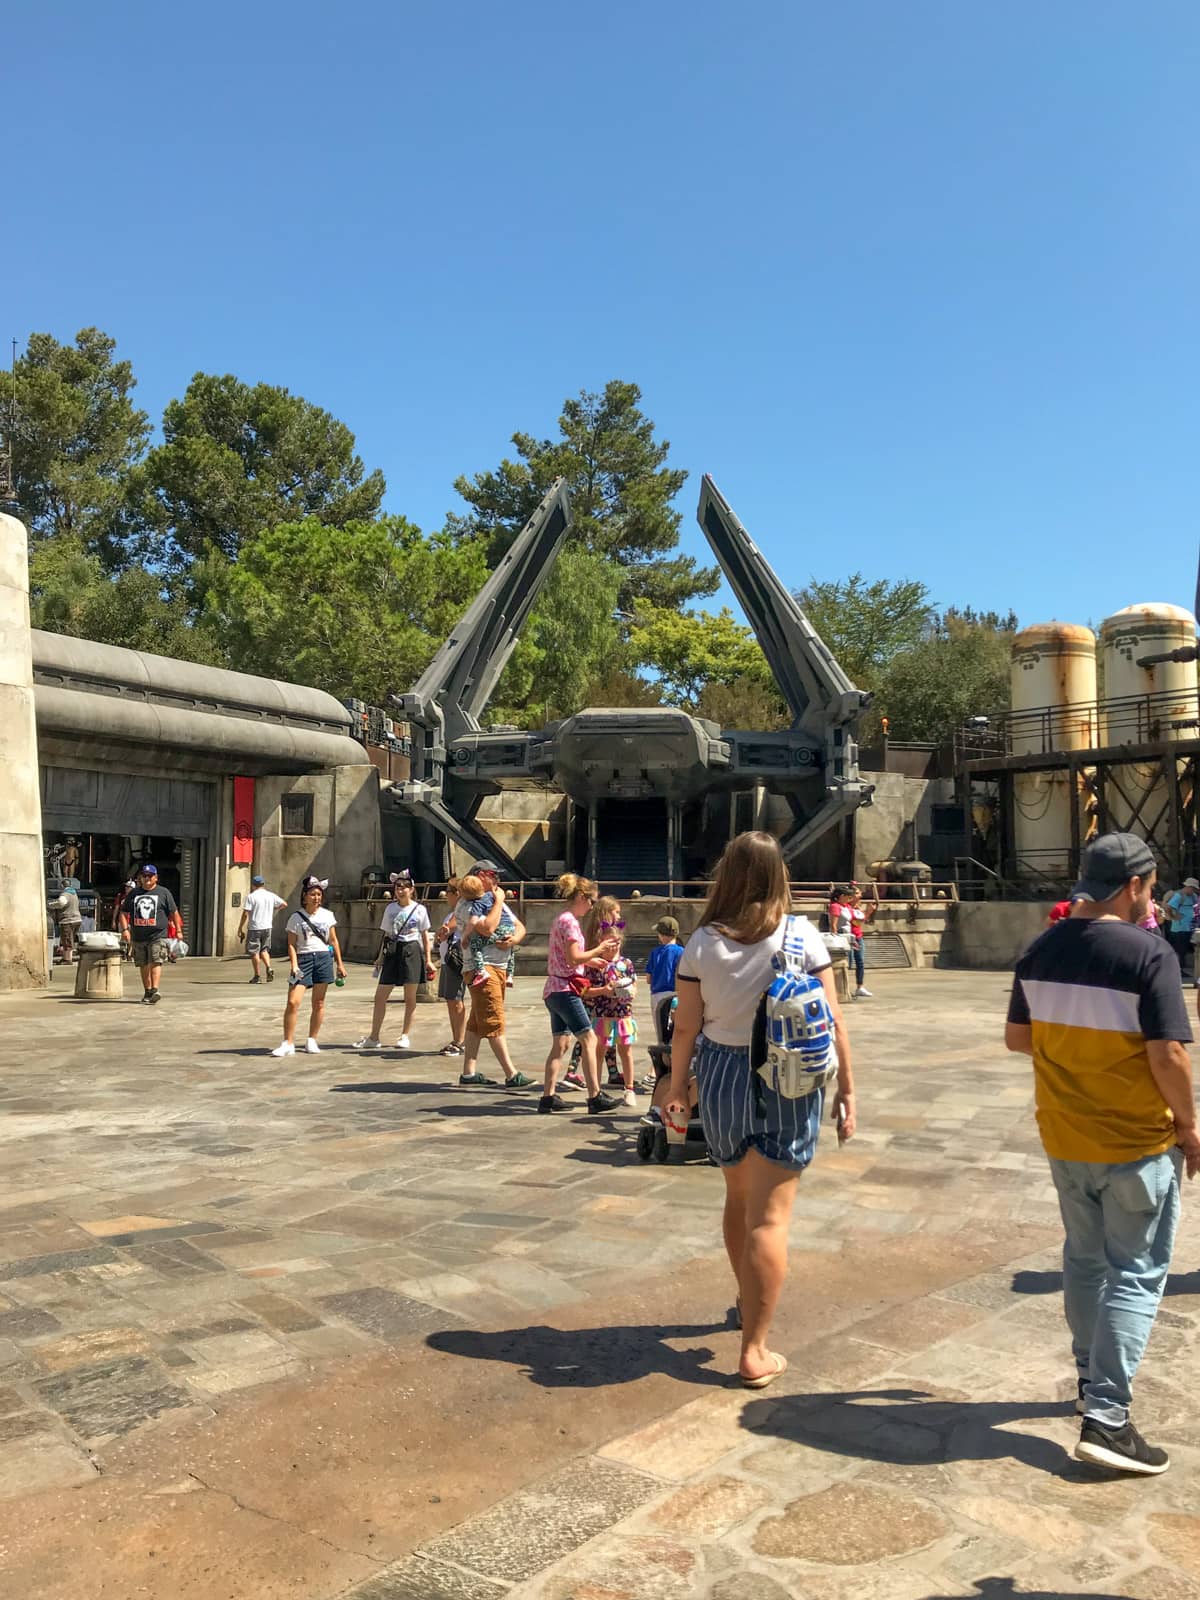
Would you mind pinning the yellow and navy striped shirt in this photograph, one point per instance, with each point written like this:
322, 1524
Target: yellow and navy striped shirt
1093, 992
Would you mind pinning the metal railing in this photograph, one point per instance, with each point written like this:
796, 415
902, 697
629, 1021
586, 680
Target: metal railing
804, 891
1082, 725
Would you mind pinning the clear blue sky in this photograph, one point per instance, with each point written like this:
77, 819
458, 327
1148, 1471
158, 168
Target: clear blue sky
916, 282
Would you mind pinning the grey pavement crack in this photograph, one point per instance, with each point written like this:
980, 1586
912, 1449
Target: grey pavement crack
284, 1522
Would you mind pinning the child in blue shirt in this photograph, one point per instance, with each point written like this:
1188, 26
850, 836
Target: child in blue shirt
660, 969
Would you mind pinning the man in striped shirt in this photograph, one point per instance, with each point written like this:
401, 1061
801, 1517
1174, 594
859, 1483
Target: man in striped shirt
1098, 1004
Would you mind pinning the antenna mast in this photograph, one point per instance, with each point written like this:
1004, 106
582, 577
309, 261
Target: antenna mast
8, 487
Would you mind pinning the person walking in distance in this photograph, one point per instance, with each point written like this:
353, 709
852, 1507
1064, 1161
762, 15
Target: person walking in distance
566, 979
759, 1135
315, 956
258, 914
149, 917
486, 1020
661, 965
1099, 1007
403, 959
452, 987
1181, 911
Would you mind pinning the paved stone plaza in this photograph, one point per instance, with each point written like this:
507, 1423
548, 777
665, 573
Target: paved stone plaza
333, 1326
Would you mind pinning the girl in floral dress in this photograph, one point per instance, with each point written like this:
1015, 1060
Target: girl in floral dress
612, 993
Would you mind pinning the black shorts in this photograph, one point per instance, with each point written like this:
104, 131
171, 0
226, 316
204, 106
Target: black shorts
451, 985
404, 963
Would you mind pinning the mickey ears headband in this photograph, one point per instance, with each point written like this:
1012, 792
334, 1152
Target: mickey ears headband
314, 883
402, 877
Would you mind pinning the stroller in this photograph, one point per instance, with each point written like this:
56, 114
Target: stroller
652, 1143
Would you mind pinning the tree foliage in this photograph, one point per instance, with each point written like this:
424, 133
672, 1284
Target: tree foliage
356, 610
622, 494
71, 592
569, 641
961, 669
237, 459
77, 437
868, 624
709, 663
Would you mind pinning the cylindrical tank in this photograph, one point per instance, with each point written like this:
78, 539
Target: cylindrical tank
1053, 708
1143, 705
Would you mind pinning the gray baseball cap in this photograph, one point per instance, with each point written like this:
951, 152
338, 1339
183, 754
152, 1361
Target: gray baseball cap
485, 866
1108, 864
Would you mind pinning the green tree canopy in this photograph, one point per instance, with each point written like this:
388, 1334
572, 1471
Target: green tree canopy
357, 610
961, 670
77, 436
709, 663
237, 459
868, 624
621, 494
71, 592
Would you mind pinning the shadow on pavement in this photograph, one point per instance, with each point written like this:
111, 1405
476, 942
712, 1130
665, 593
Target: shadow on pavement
906, 1427
1051, 1283
589, 1358
1001, 1588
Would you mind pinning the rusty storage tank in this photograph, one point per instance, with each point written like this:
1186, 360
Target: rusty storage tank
1053, 709
1143, 705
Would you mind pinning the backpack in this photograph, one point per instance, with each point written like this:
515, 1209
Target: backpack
792, 1046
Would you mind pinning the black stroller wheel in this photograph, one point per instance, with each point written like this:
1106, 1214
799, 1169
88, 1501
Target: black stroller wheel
645, 1143
662, 1150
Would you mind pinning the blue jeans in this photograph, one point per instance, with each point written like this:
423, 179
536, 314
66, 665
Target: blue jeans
1120, 1226
857, 960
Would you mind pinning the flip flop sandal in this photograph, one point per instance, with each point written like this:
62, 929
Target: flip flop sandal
768, 1378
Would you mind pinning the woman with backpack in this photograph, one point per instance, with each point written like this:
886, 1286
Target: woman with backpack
404, 959
315, 957
757, 1020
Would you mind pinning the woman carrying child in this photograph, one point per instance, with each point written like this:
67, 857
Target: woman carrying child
612, 991
404, 959
315, 957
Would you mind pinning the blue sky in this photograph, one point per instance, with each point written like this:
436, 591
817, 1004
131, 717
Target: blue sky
916, 282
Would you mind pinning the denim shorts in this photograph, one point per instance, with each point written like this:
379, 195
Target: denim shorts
784, 1131
568, 1014
316, 966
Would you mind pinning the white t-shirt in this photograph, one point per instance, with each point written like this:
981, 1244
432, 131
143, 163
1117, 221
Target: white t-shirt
732, 977
306, 940
406, 923
262, 904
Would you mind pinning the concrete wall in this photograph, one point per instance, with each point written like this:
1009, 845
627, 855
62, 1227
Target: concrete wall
899, 814
345, 840
530, 824
22, 880
992, 933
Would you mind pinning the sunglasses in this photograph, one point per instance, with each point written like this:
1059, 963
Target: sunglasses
612, 924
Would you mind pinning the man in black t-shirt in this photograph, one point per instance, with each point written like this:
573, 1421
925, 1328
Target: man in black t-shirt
149, 916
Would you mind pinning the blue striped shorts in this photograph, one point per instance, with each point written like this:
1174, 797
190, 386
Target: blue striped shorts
786, 1134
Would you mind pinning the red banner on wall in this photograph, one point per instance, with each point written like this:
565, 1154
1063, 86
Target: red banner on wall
242, 850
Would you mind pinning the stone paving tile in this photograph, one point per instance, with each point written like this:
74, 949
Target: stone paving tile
383, 1312
110, 1397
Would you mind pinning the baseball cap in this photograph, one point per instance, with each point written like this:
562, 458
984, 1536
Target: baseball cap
1191, 883
257, 879
148, 869
1108, 864
486, 866
667, 925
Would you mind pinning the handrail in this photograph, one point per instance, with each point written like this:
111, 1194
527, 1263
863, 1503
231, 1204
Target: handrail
818, 889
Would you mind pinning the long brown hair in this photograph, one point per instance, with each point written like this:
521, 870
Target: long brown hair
604, 910
750, 895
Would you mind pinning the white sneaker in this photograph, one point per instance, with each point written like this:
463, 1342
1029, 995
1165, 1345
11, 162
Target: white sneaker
629, 1098
367, 1044
863, 994
402, 1042
313, 1048
284, 1049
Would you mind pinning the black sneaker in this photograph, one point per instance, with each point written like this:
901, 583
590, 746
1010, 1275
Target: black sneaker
1121, 1449
256, 978
1080, 1401
155, 997
602, 1102
615, 1080
518, 1081
147, 999
552, 1102
270, 974
474, 1080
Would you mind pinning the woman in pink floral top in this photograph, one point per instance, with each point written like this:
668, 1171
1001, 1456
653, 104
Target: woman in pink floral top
568, 1018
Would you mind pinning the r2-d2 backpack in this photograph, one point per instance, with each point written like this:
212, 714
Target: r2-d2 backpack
792, 1047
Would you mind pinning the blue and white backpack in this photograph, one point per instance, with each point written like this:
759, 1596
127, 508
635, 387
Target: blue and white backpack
792, 1045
